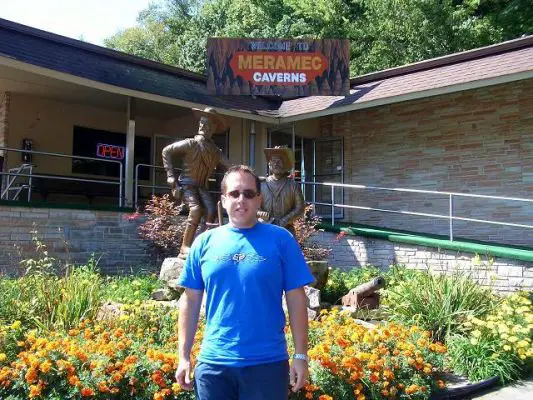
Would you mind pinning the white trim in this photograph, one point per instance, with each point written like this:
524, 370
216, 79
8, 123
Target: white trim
62, 76
413, 96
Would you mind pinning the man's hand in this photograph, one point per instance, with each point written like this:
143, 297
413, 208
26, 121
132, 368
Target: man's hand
299, 374
183, 375
171, 180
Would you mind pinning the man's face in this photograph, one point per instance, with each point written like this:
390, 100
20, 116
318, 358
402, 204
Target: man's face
242, 211
276, 165
204, 127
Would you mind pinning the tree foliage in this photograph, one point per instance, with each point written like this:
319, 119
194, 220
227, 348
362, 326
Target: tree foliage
382, 33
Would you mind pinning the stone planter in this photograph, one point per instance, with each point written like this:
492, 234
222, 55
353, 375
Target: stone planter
320, 270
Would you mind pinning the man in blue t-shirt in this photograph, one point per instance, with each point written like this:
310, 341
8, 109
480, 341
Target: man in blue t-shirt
244, 268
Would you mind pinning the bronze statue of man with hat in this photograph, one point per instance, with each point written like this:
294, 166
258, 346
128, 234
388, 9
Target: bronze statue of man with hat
283, 201
200, 157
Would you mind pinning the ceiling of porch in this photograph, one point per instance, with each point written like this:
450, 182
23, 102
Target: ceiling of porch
27, 83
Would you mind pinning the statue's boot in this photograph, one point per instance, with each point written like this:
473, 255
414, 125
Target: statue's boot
188, 237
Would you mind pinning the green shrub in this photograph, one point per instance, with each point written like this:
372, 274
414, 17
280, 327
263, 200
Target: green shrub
48, 301
438, 303
340, 282
498, 344
79, 297
482, 359
128, 289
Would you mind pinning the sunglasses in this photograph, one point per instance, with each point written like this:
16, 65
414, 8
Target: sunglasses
247, 193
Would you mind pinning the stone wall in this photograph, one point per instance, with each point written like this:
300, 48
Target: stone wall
73, 236
504, 275
477, 141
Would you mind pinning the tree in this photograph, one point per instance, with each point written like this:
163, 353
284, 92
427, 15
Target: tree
383, 33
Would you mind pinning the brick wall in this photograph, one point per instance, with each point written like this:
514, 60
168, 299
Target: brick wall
478, 141
503, 275
72, 235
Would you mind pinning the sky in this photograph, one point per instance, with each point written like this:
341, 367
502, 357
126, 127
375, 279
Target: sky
92, 20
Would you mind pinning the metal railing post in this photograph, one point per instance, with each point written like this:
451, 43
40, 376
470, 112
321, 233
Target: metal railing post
30, 183
120, 186
332, 205
136, 187
451, 216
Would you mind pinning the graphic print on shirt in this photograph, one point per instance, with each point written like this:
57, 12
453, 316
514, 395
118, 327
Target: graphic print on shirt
241, 258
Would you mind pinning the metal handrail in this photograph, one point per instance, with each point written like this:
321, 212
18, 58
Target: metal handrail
15, 172
153, 185
450, 195
120, 182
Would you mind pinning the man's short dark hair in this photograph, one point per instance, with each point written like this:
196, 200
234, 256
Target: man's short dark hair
243, 169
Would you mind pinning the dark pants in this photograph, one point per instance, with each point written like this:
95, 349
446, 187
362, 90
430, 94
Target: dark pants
256, 382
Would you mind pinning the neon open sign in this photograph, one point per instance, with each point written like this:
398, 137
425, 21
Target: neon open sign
110, 151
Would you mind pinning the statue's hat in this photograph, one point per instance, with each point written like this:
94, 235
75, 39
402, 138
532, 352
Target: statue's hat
286, 155
218, 122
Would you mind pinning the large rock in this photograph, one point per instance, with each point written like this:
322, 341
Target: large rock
313, 295
320, 270
166, 294
171, 269
313, 302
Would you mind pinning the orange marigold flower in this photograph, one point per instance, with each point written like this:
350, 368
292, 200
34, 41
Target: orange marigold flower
35, 391
45, 367
74, 380
31, 375
411, 389
86, 392
325, 397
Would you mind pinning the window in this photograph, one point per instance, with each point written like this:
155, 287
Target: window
106, 145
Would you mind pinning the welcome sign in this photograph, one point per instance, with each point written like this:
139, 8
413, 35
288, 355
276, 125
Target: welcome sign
283, 67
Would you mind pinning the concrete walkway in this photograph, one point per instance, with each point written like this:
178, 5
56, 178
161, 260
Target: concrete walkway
522, 390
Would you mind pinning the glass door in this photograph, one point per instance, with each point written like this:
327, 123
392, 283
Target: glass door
328, 166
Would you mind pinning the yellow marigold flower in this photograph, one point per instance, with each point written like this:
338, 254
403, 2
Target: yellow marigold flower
35, 391
45, 367
16, 325
3, 357
176, 388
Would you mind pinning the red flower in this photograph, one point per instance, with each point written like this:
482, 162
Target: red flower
340, 235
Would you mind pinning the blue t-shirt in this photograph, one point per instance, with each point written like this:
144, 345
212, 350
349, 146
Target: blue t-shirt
244, 273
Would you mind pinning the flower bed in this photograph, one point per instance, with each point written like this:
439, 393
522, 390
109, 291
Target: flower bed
134, 356
54, 344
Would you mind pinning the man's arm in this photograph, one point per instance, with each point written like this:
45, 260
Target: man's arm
297, 307
190, 303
